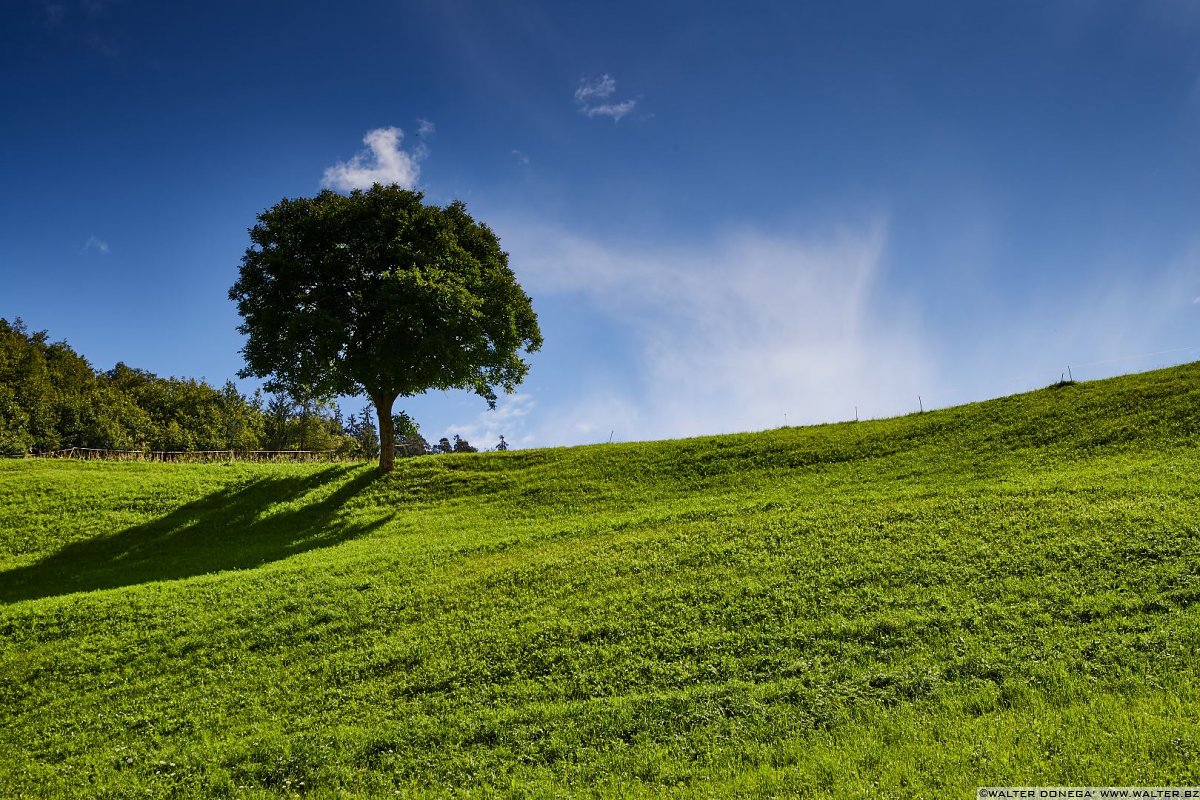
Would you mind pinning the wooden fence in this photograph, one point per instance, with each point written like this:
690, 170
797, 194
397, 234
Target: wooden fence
92, 453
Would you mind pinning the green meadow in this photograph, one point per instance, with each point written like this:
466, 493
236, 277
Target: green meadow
994, 594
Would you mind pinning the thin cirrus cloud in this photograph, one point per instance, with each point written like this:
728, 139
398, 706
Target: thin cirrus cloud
383, 161
594, 98
1118, 322
746, 332
94, 245
756, 329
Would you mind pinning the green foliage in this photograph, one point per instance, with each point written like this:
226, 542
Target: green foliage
361, 429
379, 293
308, 424
277, 416
51, 398
14, 424
185, 414
405, 426
1001, 593
407, 437
317, 426
33, 405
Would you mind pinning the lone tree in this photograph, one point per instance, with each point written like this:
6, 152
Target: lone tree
379, 293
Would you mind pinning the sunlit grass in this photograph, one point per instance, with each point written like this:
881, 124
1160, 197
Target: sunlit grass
1003, 593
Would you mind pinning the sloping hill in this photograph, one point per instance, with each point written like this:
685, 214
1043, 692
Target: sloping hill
1000, 593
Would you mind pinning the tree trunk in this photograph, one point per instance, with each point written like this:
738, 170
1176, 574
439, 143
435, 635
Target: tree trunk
387, 434
303, 423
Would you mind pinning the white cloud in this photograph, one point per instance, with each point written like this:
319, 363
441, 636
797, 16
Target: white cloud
734, 334
509, 419
614, 110
95, 245
1132, 316
599, 88
384, 161
425, 128
591, 97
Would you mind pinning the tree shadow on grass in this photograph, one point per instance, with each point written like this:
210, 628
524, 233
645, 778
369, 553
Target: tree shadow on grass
221, 531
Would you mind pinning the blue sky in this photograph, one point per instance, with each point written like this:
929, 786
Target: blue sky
728, 217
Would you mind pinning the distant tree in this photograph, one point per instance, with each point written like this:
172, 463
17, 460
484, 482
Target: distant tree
378, 293
443, 446
503, 445
306, 422
405, 426
14, 425
16, 437
117, 422
53, 388
71, 401
133, 413
463, 446
278, 412
241, 419
362, 430
178, 413
174, 438
317, 425
52, 398
412, 446
407, 436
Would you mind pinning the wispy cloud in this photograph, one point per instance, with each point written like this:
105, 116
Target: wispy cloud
384, 161
510, 419
94, 245
425, 128
754, 328
1128, 319
593, 98
614, 110
734, 334
596, 89
522, 159
55, 14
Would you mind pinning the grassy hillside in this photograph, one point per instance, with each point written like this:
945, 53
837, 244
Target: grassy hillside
1001, 593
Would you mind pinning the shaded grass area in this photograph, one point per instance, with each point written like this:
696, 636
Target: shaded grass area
233, 527
1002, 593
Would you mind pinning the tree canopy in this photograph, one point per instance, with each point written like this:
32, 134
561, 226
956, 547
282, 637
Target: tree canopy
379, 293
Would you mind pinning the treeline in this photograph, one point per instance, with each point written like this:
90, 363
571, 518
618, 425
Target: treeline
51, 399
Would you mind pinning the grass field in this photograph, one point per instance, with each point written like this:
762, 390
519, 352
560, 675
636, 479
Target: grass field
1001, 593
